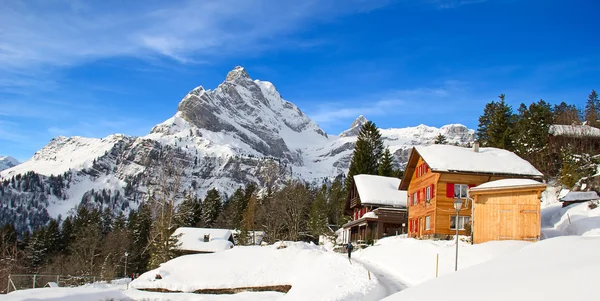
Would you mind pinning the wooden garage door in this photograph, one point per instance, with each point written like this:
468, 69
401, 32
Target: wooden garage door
506, 222
529, 222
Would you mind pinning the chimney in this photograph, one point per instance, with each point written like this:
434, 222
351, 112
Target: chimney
476, 146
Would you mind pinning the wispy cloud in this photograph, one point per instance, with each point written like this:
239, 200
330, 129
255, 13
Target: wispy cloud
64, 33
449, 96
446, 4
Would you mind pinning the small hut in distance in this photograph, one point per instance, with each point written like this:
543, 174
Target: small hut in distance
202, 240
574, 197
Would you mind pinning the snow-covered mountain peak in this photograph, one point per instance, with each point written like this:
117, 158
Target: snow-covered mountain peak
237, 73
355, 127
7, 162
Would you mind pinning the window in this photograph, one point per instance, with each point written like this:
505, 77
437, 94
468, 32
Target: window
462, 220
428, 193
427, 223
460, 191
414, 198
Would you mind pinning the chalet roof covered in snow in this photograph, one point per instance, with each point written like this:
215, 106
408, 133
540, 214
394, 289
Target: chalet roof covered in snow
378, 190
193, 239
574, 196
579, 131
509, 183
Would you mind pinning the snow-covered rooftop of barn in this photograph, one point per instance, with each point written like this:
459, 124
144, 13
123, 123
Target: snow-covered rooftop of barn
580, 196
488, 160
192, 239
574, 130
378, 190
508, 183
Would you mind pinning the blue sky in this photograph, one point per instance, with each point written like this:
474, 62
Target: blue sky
92, 68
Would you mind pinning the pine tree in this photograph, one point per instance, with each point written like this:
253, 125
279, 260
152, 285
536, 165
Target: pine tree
238, 202
189, 212
495, 125
592, 109
317, 222
248, 222
66, 234
336, 201
531, 133
440, 139
386, 165
566, 114
139, 225
211, 208
367, 152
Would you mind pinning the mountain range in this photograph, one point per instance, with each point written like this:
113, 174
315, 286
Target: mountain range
7, 162
242, 131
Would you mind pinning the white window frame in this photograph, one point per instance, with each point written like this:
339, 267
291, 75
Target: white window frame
428, 222
415, 196
462, 220
428, 193
460, 195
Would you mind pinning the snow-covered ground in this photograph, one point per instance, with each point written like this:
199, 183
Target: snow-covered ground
413, 261
557, 269
563, 266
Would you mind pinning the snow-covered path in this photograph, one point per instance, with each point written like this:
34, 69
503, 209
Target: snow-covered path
390, 283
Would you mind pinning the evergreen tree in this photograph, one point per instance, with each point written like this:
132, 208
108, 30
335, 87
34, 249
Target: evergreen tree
107, 221
317, 221
66, 234
495, 125
367, 152
566, 114
211, 208
592, 109
238, 202
440, 139
189, 212
386, 166
336, 201
531, 133
398, 173
36, 251
139, 225
52, 237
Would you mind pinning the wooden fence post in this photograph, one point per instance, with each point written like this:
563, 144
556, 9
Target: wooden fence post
34, 277
437, 260
8, 284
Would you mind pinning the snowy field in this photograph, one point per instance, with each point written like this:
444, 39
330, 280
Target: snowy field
563, 266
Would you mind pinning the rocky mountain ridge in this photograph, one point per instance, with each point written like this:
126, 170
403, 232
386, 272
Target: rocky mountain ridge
242, 131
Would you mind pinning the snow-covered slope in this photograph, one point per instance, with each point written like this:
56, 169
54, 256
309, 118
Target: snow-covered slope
7, 162
562, 268
242, 131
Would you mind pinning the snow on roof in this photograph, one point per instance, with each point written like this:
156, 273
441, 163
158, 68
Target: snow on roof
507, 183
378, 190
573, 130
192, 239
580, 196
488, 160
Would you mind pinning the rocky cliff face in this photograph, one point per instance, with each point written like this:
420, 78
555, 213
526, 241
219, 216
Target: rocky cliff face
240, 132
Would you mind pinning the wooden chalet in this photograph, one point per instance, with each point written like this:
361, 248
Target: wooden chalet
377, 207
507, 209
575, 197
437, 175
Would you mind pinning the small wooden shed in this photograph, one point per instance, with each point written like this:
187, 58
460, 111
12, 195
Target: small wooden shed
507, 209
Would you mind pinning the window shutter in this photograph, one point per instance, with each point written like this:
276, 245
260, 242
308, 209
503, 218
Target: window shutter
450, 190
424, 194
432, 194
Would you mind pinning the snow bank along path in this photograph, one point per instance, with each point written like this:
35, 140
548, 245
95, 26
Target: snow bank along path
313, 273
412, 261
557, 269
